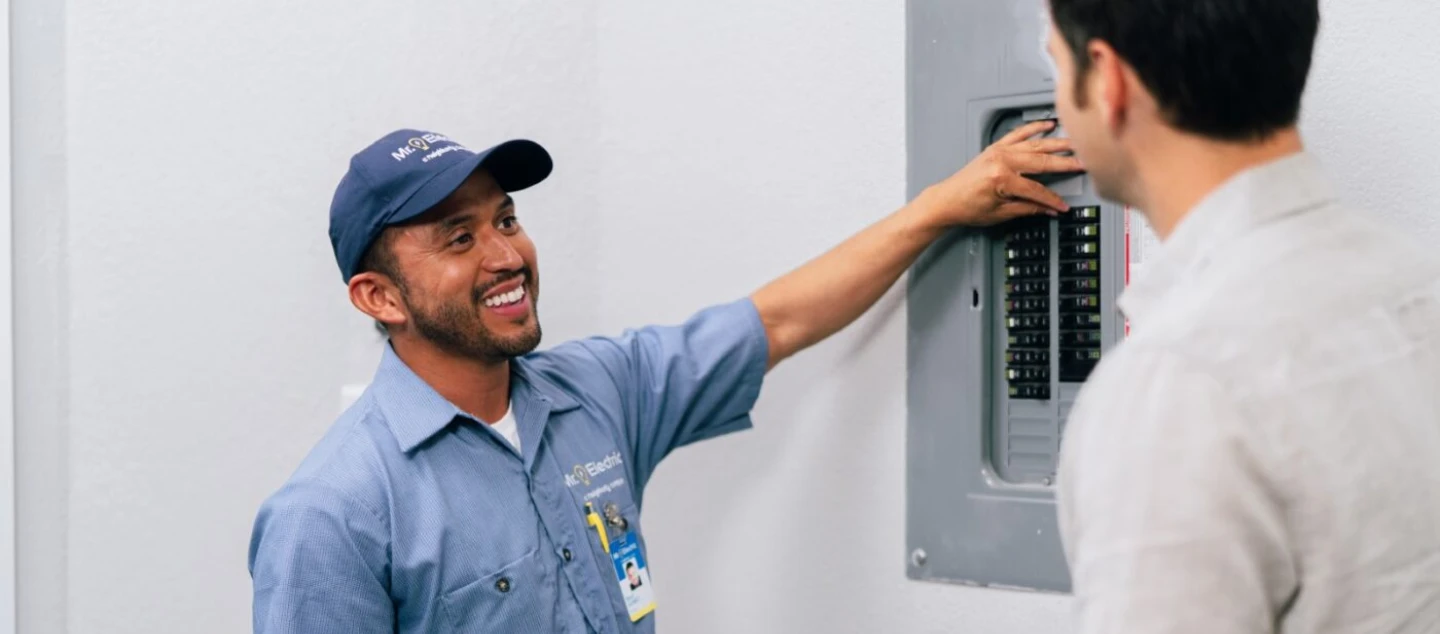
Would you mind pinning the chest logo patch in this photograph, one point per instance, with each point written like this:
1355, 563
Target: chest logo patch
585, 473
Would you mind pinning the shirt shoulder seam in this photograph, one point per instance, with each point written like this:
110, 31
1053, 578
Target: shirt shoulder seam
314, 479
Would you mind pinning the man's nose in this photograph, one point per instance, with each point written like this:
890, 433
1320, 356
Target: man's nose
500, 255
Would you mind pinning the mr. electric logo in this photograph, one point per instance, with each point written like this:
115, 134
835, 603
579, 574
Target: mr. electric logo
423, 143
583, 473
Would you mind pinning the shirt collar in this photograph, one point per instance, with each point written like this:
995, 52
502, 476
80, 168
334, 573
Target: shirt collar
415, 411
1253, 198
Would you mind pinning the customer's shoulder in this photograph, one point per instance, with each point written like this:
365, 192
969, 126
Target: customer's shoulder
1149, 362
1289, 298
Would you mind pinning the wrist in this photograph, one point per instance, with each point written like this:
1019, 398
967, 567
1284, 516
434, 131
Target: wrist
920, 218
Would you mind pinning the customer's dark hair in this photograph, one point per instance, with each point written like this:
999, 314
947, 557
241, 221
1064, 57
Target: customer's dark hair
1225, 69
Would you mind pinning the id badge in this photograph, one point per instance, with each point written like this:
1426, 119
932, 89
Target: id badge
633, 575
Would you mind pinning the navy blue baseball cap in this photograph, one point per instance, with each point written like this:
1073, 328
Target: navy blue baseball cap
407, 172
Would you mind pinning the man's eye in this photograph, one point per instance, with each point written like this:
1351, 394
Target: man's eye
509, 222
463, 238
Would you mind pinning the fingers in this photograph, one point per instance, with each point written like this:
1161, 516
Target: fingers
1041, 163
1026, 131
1046, 146
1027, 190
1012, 210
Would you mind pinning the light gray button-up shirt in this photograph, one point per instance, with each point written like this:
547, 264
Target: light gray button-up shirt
1263, 453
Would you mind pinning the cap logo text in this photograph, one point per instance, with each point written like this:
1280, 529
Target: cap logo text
423, 143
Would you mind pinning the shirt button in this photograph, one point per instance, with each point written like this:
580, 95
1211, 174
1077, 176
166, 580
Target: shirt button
503, 585
567, 554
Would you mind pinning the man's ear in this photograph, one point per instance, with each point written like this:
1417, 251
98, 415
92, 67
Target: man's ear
377, 295
1109, 84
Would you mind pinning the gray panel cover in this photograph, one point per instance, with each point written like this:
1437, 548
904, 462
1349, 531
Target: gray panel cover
981, 459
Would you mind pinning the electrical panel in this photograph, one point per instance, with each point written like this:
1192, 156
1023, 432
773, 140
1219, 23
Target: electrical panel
1005, 323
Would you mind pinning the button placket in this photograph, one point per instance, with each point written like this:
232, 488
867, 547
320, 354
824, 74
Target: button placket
559, 521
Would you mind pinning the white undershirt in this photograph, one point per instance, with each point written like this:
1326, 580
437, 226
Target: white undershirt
506, 427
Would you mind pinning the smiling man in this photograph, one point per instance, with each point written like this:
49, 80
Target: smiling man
480, 485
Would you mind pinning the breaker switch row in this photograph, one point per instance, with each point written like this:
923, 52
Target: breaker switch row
1028, 303
1027, 357
1023, 253
1079, 307
1030, 340
1031, 233
1028, 373
1083, 322
1032, 391
1032, 287
1080, 268
1080, 303
1022, 271
1028, 322
1081, 355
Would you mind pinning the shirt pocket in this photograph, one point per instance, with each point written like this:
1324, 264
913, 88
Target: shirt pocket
515, 598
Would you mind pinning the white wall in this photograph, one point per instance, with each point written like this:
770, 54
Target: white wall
182, 334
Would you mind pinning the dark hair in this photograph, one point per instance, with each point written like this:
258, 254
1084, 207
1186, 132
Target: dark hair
1227, 69
379, 258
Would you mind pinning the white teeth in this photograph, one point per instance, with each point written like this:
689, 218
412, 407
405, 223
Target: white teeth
506, 298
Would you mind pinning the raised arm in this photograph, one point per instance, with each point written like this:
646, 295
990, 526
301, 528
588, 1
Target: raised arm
828, 293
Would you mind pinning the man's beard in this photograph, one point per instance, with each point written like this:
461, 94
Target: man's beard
458, 328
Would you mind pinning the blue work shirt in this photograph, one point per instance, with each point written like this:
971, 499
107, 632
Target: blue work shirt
412, 516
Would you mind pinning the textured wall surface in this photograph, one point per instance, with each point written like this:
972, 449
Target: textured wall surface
183, 336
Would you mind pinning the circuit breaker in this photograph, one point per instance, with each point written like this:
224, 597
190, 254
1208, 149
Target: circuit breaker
1005, 323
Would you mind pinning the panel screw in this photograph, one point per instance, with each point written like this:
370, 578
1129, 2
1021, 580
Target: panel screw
918, 557
1046, 481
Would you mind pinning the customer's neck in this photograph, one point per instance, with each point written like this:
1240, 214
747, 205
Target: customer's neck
1179, 170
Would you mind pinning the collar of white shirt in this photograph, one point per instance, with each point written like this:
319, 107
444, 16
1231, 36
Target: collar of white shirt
1249, 200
